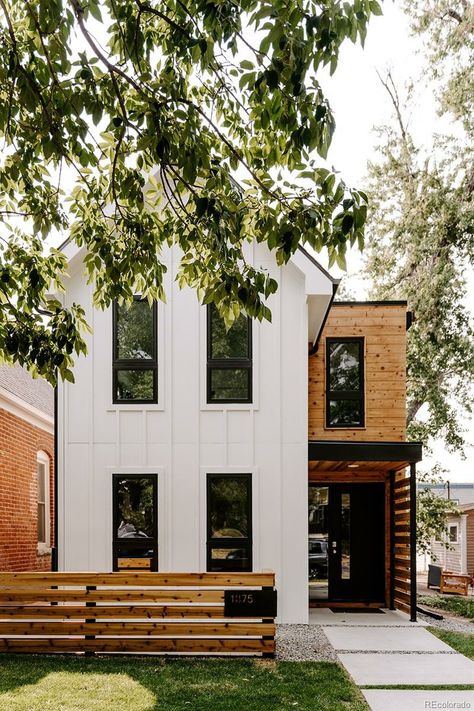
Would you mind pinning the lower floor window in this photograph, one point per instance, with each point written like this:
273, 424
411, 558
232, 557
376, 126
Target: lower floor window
229, 522
135, 522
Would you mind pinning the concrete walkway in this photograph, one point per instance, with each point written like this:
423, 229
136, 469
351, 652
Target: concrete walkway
387, 649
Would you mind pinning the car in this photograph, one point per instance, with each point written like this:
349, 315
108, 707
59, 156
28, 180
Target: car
318, 559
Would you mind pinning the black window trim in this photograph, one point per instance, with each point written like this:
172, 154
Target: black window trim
230, 543
228, 364
134, 364
358, 395
134, 542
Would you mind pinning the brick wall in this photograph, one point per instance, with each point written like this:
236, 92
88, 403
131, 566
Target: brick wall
19, 444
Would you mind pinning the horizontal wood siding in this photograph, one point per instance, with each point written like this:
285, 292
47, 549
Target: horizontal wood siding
449, 559
401, 543
470, 541
384, 329
105, 612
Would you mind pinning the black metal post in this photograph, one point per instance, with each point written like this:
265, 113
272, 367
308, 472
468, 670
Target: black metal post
392, 539
413, 542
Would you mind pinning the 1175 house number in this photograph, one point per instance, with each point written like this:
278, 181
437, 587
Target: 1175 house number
250, 603
242, 598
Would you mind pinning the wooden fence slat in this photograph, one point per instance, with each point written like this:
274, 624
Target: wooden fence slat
402, 595
48, 595
111, 611
402, 606
142, 645
131, 578
137, 629
401, 484
401, 584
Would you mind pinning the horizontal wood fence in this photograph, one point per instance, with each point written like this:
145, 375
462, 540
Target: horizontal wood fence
124, 612
401, 533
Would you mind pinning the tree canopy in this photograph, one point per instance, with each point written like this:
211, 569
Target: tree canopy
421, 241
421, 226
125, 123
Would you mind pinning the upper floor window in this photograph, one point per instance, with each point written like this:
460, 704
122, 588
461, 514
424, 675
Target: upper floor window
42, 472
345, 382
229, 359
135, 360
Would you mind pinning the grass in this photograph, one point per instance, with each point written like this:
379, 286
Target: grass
60, 683
462, 642
462, 606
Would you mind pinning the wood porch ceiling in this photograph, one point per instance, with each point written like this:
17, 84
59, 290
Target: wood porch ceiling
330, 456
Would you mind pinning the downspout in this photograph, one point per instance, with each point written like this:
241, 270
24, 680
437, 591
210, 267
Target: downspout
315, 345
54, 556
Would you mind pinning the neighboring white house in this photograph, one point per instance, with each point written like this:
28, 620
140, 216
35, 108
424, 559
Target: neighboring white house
459, 557
144, 484
459, 533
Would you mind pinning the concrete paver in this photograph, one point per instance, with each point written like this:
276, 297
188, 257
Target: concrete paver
417, 700
414, 669
382, 639
389, 618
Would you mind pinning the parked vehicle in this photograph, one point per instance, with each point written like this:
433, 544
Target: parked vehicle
318, 559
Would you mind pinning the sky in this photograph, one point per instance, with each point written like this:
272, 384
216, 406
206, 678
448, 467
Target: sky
360, 102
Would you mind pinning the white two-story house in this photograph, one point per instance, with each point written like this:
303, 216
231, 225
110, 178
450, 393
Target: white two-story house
185, 448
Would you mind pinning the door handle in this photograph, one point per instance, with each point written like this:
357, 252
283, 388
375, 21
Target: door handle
334, 546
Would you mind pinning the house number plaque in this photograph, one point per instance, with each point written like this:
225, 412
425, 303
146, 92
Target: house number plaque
250, 603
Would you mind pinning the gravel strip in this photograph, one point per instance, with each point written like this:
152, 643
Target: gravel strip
395, 651
450, 623
300, 643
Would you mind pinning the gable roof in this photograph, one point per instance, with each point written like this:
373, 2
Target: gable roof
34, 391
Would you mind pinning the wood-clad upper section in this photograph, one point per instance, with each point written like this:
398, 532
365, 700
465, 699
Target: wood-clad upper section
383, 327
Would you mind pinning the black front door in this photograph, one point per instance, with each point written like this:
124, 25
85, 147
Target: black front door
346, 527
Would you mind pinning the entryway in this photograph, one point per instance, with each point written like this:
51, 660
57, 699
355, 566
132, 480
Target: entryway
346, 524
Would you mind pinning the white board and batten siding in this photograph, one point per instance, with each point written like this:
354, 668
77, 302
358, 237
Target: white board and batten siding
182, 438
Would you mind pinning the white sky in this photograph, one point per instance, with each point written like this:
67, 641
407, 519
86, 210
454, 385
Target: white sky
360, 102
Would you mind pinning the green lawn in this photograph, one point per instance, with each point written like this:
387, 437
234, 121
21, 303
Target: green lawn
463, 606
462, 642
47, 683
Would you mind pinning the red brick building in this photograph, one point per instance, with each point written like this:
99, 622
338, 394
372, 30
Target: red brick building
26, 471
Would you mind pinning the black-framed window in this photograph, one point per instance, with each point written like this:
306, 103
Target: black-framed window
345, 382
229, 359
135, 521
229, 522
135, 357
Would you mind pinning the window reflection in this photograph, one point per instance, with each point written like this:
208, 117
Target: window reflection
345, 536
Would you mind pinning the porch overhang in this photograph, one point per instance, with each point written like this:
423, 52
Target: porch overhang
365, 461
339, 456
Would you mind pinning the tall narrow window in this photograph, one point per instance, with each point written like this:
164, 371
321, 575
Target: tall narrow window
345, 382
135, 522
42, 472
135, 364
229, 359
229, 522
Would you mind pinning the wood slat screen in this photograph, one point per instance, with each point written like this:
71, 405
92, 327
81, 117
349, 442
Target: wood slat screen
173, 613
401, 542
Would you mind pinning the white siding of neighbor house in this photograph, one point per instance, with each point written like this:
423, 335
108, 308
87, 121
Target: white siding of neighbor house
453, 559
183, 438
